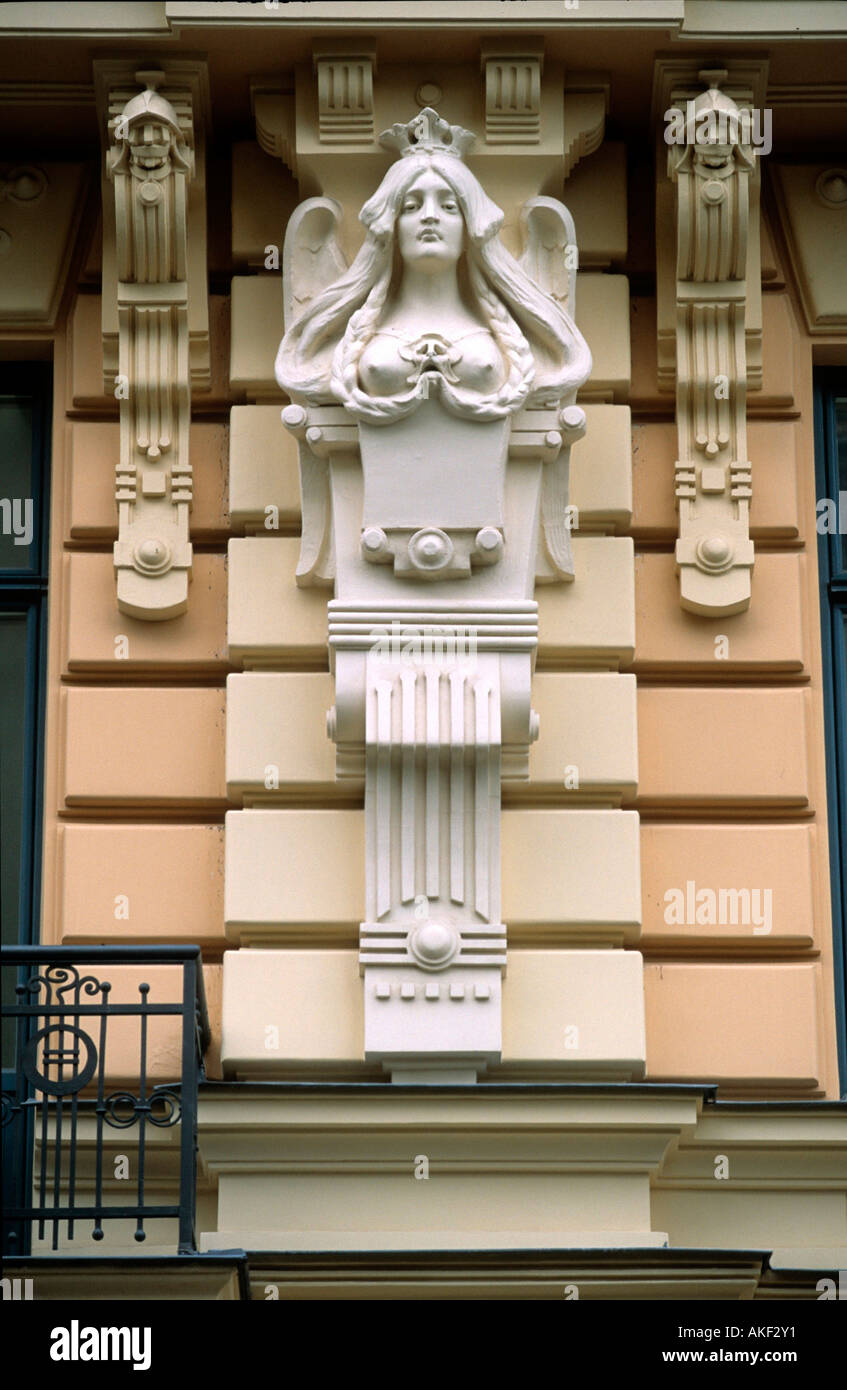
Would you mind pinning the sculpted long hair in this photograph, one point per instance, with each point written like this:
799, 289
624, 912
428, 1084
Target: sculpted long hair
544, 354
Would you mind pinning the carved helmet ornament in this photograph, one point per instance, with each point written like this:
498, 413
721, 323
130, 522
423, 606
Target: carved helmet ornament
434, 313
717, 183
155, 325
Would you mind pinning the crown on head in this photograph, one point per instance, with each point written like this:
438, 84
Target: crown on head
427, 133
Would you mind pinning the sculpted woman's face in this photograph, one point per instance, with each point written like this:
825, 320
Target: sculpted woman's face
430, 225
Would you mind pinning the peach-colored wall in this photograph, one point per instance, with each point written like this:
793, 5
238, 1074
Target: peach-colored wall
134, 787
732, 789
730, 769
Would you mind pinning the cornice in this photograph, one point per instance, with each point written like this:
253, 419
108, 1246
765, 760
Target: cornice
508, 16
214, 1277
687, 20
607, 1274
511, 1128
667, 1131
611, 1273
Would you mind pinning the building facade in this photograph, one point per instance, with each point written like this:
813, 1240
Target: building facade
528, 981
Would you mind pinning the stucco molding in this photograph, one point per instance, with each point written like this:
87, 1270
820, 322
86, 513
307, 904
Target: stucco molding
41, 207
110, 1277
769, 1147
587, 97
512, 90
812, 206
709, 315
314, 124
627, 1145
434, 449
617, 1274
155, 316
345, 72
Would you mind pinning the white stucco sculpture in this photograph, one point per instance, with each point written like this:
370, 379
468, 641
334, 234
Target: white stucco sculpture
155, 317
433, 388
716, 177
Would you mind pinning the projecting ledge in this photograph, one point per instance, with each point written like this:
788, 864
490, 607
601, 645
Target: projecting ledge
388, 1241
208, 1277
380, 1167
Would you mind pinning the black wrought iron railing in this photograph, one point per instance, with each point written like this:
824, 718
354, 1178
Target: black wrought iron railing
66, 1044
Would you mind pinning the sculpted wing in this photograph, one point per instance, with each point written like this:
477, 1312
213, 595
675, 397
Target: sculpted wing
311, 256
549, 255
311, 261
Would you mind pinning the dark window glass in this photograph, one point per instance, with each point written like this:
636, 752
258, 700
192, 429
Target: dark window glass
840, 411
25, 391
14, 630
13, 720
17, 504
24, 416
831, 461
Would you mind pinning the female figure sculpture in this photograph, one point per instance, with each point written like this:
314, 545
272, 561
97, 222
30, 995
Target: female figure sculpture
433, 297
433, 388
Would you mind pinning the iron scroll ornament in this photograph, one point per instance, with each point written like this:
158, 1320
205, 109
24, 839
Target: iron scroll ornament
62, 1073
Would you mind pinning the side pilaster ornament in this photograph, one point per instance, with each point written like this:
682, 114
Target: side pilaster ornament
712, 165
434, 431
155, 318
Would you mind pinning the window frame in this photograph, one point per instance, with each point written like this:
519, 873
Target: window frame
828, 383
25, 589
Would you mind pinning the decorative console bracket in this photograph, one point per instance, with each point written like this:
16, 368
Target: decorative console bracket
710, 312
433, 387
512, 91
155, 316
323, 127
345, 71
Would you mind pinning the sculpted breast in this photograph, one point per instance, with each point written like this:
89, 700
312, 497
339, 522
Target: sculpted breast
392, 364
